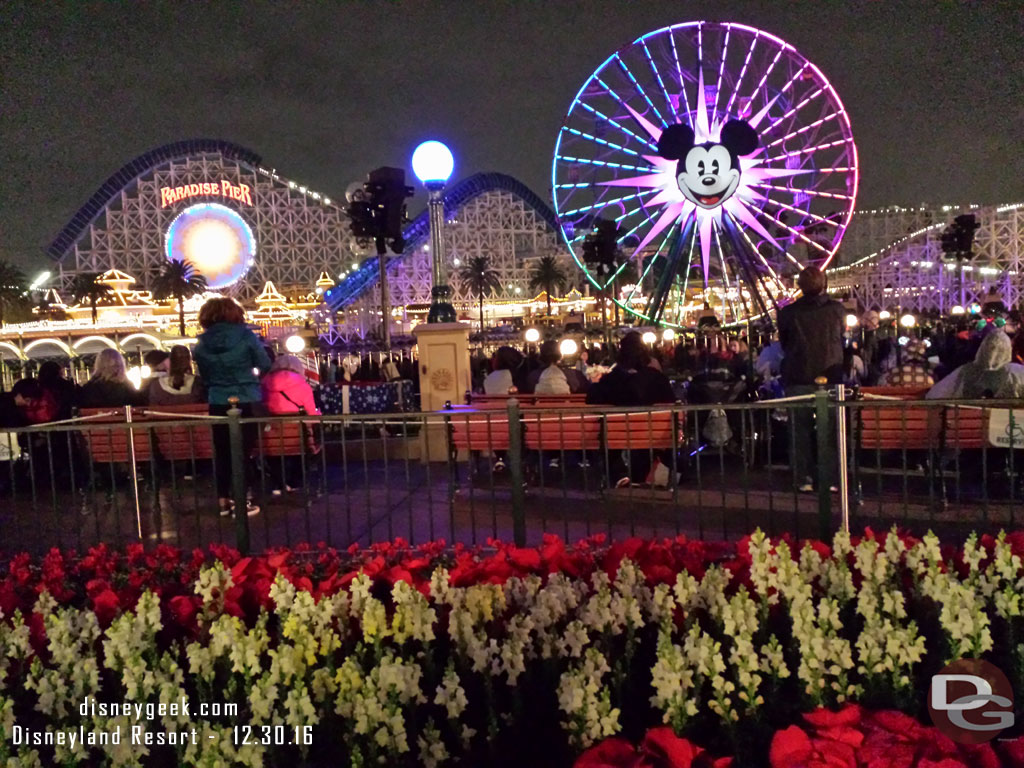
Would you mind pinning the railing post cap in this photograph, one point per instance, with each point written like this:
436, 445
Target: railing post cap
233, 400
820, 382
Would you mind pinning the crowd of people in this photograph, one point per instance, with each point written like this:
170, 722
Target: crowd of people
971, 357
229, 361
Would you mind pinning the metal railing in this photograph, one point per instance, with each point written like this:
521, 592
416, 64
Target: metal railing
514, 472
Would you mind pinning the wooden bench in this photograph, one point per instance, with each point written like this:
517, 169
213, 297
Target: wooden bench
965, 428
484, 430
643, 430
287, 438
887, 428
572, 429
107, 433
182, 442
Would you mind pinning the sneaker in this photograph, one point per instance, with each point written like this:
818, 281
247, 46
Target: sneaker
499, 466
806, 486
833, 488
289, 489
623, 482
553, 464
276, 492
251, 509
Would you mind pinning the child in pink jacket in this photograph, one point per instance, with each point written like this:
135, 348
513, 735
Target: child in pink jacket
285, 390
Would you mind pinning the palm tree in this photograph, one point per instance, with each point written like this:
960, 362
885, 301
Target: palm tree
87, 288
13, 288
178, 280
478, 277
548, 275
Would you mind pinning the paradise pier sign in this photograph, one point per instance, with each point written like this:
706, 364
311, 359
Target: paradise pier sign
240, 192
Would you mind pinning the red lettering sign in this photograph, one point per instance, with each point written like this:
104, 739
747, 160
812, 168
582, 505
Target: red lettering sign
240, 192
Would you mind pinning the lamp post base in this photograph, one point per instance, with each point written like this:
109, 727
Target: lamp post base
441, 309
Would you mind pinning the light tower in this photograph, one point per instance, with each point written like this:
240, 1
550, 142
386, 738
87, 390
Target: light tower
432, 162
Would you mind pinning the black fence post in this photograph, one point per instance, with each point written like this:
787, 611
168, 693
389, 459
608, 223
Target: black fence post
238, 484
826, 458
515, 466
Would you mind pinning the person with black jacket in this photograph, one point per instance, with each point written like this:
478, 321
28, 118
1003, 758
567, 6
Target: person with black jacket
109, 385
811, 333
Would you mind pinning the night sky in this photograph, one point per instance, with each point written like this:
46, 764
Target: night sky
327, 91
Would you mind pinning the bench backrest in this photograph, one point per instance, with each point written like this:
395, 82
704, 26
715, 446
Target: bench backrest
890, 428
183, 442
562, 430
109, 444
650, 429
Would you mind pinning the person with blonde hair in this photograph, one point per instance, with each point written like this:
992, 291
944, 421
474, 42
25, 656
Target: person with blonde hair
230, 358
109, 385
179, 386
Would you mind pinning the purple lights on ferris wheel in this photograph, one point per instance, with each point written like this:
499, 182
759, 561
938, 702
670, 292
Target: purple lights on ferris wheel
751, 215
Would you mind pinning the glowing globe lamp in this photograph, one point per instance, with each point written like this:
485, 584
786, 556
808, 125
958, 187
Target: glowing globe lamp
851, 321
649, 337
568, 347
295, 344
532, 335
908, 321
957, 310
885, 314
668, 334
975, 308
432, 162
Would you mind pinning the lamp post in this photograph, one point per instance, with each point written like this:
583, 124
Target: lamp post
432, 162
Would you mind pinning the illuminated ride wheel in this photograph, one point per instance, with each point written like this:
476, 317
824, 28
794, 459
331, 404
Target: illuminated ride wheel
724, 157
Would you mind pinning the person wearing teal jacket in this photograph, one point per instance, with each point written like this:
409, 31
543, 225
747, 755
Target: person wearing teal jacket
230, 359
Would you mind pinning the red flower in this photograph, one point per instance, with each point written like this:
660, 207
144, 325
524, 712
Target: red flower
105, 605
661, 748
610, 753
895, 740
184, 609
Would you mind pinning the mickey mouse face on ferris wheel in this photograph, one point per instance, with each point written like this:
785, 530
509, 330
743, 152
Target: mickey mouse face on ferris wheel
708, 174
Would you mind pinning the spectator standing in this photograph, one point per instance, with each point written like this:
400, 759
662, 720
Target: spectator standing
179, 386
811, 333
109, 386
230, 358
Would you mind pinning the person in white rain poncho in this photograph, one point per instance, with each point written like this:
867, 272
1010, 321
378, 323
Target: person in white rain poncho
990, 375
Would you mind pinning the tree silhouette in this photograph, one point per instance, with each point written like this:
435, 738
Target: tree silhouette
548, 276
178, 279
87, 288
479, 278
13, 287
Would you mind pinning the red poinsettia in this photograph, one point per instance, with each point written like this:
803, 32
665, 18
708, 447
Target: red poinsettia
661, 748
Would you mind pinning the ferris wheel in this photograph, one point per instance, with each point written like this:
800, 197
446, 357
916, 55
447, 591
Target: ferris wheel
725, 160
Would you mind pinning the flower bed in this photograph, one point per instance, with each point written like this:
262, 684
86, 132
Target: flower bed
634, 653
